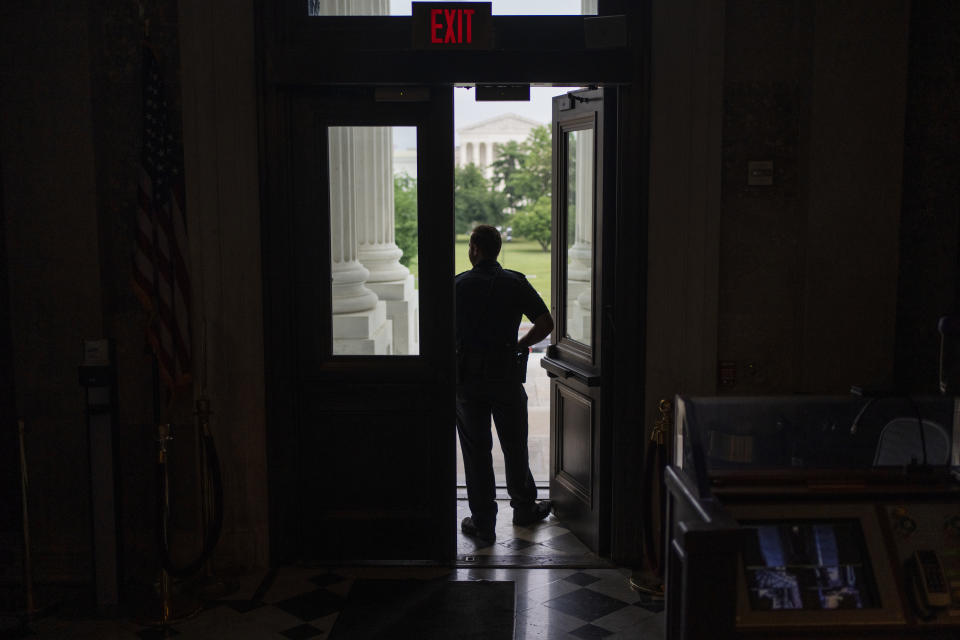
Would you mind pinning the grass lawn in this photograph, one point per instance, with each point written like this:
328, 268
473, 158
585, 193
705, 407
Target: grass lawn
526, 257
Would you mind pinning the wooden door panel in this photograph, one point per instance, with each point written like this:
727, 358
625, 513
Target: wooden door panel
368, 475
383, 445
361, 448
573, 486
574, 462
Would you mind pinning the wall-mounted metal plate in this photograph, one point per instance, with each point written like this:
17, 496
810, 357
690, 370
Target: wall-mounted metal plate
503, 92
605, 32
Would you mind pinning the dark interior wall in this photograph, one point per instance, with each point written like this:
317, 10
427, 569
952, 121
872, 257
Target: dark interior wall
69, 145
765, 90
808, 265
854, 168
930, 219
50, 209
9, 437
221, 153
69, 150
70, 130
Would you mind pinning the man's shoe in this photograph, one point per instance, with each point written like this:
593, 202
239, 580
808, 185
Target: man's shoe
469, 528
539, 511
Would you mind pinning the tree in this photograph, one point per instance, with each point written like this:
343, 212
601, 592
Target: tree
405, 216
474, 201
533, 222
534, 177
509, 161
525, 174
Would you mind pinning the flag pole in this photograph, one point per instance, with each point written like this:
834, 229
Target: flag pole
160, 235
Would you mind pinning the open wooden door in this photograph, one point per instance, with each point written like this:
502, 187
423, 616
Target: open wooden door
579, 479
360, 353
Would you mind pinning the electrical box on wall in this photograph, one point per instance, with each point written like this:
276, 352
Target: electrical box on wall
727, 374
760, 173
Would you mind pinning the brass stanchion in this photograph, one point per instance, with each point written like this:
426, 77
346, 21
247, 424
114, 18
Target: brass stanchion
651, 582
166, 607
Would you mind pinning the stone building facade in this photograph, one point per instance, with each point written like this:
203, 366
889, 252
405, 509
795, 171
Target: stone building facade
480, 141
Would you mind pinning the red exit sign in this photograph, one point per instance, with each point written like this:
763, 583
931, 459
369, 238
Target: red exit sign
452, 25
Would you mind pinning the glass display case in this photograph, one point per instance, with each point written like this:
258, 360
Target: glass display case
788, 516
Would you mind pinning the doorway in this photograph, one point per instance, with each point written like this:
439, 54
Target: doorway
567, 441
333, 415
377, 382
357, 387
502, 165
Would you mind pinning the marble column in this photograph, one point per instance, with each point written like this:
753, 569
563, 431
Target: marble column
348, 7
390, 280
580, 255
360, 324
371, 184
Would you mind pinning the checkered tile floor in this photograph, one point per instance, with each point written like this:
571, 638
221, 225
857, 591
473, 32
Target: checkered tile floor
546, 544
298, 603
561, 594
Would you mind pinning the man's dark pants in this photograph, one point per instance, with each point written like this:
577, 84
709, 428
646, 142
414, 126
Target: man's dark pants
507, 402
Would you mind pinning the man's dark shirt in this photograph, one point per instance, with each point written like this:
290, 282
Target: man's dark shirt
490, 301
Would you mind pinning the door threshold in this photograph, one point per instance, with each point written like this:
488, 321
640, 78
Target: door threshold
543, 492
468, 561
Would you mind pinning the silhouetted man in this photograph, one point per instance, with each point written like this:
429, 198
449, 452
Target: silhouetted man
491, 364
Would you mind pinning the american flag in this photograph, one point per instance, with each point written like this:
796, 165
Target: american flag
161, 278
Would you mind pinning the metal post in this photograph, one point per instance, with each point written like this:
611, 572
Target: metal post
166, 608
163, 436
650, 582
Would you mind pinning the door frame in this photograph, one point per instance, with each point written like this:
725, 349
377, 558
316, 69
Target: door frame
294, 50
589, 357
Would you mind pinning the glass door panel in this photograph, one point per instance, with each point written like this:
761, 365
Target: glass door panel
575, 226
579, 240
373, 240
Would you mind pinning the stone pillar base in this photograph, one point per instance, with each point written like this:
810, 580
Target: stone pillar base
576, 314
393, 289
580, 323
575, 288
364, 333
405, 315
403, 309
